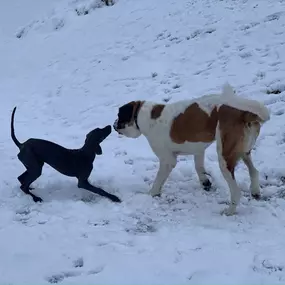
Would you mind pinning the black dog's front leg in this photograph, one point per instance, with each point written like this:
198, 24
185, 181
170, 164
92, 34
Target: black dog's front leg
87, 186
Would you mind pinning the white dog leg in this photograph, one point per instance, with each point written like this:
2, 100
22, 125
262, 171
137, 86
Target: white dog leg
227, 166
200, 169
167, 163
234, 189
254, 176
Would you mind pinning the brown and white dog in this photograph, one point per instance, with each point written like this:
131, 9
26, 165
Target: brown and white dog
190, 126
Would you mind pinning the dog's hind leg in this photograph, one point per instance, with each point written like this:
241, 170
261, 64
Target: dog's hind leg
26, 190
200, 169
22, 178
29, 177
33, 172
254, 176
229, 146
87, 186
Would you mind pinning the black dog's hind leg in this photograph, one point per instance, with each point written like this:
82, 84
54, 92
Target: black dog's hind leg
33, 172
29, 177
22, 178
26, 190
87, 186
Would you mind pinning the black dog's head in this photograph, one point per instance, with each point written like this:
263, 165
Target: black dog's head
96, 136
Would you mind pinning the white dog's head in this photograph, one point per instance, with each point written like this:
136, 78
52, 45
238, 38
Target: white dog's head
126, 123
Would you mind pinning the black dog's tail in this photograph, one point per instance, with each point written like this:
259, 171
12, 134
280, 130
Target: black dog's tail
15, 140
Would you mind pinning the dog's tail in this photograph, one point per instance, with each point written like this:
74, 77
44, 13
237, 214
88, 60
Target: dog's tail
15, 140
229, 98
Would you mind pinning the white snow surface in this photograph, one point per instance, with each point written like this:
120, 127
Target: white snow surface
68, 74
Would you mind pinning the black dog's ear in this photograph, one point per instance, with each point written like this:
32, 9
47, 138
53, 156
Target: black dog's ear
98, 150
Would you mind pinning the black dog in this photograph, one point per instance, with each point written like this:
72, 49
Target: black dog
71, 162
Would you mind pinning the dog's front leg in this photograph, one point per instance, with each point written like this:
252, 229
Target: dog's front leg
87, 186
166, 164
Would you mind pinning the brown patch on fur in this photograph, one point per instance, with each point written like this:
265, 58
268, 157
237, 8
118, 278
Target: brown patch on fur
156, 111
194, 125
233, 124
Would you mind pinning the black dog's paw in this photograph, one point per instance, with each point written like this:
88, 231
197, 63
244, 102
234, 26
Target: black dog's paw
207, 185
37, 199
115, 199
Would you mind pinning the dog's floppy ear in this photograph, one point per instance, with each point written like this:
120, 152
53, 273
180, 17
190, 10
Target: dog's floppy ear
98, 149
127, 112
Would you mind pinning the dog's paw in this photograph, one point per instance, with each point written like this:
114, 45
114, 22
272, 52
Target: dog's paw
256, 196
155, 194
207, 185
229, 211
37, 199
255, 192
115, 199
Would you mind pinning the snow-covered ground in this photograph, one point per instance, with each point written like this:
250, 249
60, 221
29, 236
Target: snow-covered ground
69, 73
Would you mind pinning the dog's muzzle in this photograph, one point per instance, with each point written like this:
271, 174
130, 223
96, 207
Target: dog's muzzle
115, 125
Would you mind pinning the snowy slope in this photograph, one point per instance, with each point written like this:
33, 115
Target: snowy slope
68, 74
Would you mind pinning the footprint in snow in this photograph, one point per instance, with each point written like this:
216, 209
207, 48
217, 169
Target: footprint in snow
166, 99
274, 16
249, 26
96, 270
129, 161
79, 262
121, 153
176, 86
57, 278
278, 113
245, 54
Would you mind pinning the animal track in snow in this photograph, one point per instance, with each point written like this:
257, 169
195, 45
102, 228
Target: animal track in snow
246, 27
245, 54
79, 262
276, 90
167, 36
197, 33
267, 266
278, 113
166, 99
274, 16
57, 278
95, 271
141, 225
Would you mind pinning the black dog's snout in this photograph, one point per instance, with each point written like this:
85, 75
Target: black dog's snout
108, 129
